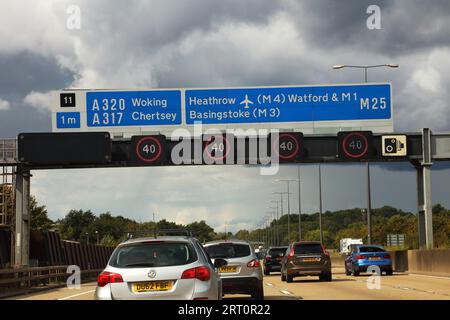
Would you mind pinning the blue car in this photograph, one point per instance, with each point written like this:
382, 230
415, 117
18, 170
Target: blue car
362, 256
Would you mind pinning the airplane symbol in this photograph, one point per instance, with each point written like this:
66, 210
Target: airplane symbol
246, 102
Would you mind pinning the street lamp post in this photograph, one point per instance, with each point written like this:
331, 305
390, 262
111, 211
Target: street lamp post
369, 216
289, 206
275, 210
320, 205
281, 201
276, 223
299, 207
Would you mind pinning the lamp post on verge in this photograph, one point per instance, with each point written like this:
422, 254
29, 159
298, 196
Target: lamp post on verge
289, 206
365, 67
276, 223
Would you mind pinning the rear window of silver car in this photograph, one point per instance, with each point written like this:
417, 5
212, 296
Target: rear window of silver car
153, 254
228, 250
308, 248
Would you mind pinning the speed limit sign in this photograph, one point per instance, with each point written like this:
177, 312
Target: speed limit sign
216, 148
148, 150
355, 145
287, 146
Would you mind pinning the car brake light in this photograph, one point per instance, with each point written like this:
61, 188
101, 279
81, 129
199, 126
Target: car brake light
291, 253
359, 257
253, 264
200, 273
108, 277
386, 256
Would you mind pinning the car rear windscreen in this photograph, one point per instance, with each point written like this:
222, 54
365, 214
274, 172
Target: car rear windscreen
228, 250
153, 254
276, 252
308, 248
371, 249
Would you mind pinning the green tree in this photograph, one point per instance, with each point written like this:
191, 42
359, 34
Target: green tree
242, 235
76, 224
39, 217
201, 231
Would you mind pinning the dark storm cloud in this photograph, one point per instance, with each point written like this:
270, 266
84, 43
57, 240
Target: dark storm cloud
20, 74
24, 72
407, 25
149, 25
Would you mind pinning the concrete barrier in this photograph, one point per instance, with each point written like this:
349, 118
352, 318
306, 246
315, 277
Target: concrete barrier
433, 262
436, 261
337, 260
399, 260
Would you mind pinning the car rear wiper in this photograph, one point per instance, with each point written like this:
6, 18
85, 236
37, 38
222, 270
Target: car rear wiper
140, 265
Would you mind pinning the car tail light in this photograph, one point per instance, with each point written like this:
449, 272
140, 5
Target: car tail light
386, 256
359, 257
291, 253
108, 277
253, 264
325, 251
200, 273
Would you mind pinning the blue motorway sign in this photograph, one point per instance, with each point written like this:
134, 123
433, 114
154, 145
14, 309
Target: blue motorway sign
68, 120
133, 108
288, 104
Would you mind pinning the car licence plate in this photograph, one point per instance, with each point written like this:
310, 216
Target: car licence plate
152, 286
311, 259
227, 269
374, 258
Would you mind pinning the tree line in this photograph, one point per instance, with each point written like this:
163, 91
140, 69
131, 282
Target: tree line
108, 229
352, 223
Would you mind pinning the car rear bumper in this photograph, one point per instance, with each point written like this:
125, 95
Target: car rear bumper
240, 284
307, 270
383, 267
272, 267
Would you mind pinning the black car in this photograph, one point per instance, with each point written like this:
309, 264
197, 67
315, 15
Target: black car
272, 261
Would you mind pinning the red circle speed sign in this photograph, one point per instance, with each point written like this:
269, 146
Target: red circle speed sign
286, 146
220, 145
148, 149
355, 145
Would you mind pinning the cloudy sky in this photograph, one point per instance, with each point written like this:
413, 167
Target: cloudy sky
191, 43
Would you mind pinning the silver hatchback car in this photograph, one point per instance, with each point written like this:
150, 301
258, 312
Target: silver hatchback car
243, 272
170, 267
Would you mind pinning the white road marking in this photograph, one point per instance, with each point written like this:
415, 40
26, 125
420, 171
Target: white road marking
77, 295
426, 275
285, 292
269, 284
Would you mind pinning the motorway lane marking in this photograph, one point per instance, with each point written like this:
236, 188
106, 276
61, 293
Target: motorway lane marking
426, 275
286, 292
400, 287
283, 291
76, 295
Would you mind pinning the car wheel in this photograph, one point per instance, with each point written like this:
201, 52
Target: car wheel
283, 277
289, 278
258, 293
327, 276
347, 272
355, 272
389, 273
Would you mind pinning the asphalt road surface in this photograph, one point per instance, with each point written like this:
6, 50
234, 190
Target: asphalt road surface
400, 286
